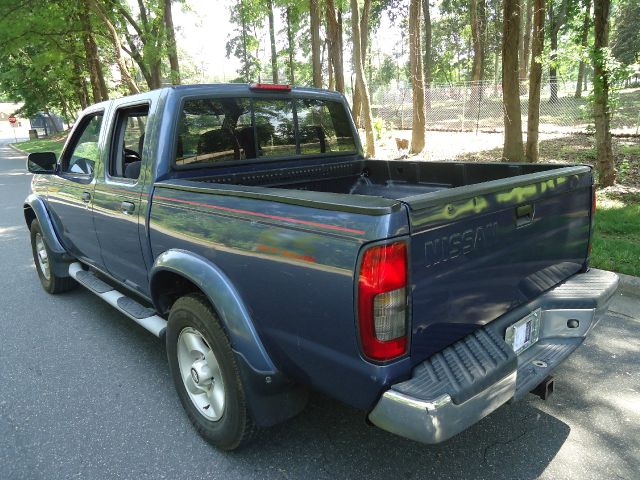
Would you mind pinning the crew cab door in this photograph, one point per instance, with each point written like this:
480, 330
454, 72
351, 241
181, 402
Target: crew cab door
119, 187
70, 195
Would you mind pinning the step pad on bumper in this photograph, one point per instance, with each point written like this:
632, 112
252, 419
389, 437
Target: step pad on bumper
463, 369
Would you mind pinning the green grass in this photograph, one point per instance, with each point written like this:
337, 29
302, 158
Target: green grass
616, 240
51, 144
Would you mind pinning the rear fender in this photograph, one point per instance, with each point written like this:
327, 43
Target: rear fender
272, 397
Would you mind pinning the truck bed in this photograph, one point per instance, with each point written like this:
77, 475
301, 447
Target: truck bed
484, 238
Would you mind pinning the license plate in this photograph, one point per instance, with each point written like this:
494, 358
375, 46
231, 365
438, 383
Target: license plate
524, 333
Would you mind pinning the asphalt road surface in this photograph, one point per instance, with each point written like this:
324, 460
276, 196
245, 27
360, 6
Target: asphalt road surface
85, 393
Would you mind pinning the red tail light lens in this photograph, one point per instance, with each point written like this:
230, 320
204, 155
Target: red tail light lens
269, 87
382, 301
593, 202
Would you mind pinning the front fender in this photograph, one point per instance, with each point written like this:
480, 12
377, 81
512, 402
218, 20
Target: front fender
223, 296
34, 206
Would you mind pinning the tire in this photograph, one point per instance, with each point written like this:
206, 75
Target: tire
194, 327
43, 260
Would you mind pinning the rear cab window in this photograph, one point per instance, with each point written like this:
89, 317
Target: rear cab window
226, 130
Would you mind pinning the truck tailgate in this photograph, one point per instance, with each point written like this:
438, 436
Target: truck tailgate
481, 250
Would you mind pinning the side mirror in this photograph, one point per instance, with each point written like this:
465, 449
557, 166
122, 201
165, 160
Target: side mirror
42, 162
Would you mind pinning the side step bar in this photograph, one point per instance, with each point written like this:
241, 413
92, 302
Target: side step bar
145, 317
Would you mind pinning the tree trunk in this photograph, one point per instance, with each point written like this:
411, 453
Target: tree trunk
81, 84
535, 81
98, 85
513, 148
272, 39
364, 45
526, 39
172, 51
427, 59
601, 111
555, 23
418, 130
334, 38
314, 25
586, 24
292, 65
127, 79
361, 81
245, 53
478, 20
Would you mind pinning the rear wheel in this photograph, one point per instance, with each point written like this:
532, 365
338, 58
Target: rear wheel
43, 260
205, 374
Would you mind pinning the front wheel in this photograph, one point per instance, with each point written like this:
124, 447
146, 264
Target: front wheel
43, 259
205, 374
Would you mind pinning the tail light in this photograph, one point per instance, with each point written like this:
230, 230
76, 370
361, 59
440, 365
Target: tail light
269, 87
593, 214
382, 302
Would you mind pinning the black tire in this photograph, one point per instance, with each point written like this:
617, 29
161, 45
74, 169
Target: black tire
51, 282
235, 427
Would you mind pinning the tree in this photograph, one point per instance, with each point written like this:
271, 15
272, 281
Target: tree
428, 54
334, 40
272, 41
601, 108
364, 45
172, 51
314, 23
584, 37
535, 81
525, 37
513, 147
418, 130
625, 44
98, 84
478, 30
556, 21
361, 82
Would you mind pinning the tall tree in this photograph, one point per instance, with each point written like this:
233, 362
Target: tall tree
513, 148
364, 45
334, 39
556, 21
418, 130
478, 31
96, 76
526, 16
291, 48
172, 50
584, 38
314, 25
535, 81
601, 108
272, 41
427, 61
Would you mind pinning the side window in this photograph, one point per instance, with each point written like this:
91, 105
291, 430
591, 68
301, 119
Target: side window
83, 153
215, 130
274, 123
127, 144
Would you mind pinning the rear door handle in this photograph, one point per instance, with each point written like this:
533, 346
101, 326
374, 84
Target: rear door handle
524, 215
127, 208
86, 197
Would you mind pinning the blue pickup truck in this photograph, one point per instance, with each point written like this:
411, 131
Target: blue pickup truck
243, 225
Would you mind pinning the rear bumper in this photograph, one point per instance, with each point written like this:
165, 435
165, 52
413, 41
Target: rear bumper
468, 380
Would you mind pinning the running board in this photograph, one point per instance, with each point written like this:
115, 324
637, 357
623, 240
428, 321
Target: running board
143, 316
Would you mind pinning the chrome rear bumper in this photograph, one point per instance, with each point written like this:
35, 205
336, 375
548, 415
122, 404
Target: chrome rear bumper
467, 381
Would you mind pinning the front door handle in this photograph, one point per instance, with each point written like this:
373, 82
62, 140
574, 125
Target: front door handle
127, 208
86, 197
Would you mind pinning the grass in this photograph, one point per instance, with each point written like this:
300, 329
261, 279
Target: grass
49, 144
616, 239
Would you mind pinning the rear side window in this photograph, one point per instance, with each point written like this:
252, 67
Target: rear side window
127, 144
218, 130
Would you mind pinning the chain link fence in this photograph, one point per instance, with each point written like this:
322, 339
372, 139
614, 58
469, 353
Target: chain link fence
477, 107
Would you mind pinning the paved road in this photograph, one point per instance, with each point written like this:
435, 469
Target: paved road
84, 393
